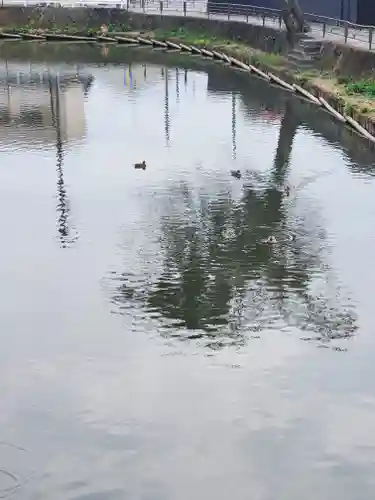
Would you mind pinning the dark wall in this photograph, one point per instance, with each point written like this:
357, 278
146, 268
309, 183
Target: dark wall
366, 12
339, 9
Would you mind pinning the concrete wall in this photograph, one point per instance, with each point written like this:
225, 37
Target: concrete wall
366, 12
348, 61
345, 59
267, 39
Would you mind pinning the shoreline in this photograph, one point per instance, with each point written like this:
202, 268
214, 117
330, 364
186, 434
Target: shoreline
323, 85
265, 47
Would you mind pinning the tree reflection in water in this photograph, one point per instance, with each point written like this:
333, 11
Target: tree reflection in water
220, 284
63, 209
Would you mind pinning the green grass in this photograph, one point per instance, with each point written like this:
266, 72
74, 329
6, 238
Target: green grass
365, 88
190, 37
267, 59
233, 48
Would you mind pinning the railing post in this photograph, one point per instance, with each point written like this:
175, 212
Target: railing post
247, 15
184, 8
143, 5
228, 11
280, 21
346, 32
161, 7
324, 29
370, 35
264, 19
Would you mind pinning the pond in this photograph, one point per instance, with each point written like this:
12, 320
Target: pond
153, 346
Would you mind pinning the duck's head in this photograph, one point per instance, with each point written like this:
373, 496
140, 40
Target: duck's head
236, 173
271, 239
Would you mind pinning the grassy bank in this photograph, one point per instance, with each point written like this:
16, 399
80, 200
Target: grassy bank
350, 96
232, 48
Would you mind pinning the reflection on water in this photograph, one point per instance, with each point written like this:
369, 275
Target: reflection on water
63, 202
165, 75
27, 115
48, 105
127, 351
219, 279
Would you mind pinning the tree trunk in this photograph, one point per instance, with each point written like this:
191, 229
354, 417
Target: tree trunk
288, 130
293, 16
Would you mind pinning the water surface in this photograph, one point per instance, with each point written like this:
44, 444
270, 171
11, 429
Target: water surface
152, 346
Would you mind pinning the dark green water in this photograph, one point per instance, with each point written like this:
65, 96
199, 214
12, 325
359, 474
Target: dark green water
152, 348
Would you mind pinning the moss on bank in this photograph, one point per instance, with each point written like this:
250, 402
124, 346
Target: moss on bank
241, 51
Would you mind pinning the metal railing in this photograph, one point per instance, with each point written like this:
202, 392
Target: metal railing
327, 27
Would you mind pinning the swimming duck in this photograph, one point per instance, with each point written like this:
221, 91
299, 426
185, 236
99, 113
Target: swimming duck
141, 165
270, 240
236, 173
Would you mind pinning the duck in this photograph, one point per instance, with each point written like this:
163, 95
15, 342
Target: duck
141, 165
236, 173
270, 240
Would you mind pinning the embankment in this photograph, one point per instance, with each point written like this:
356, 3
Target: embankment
264, 47
82, 19
344, 59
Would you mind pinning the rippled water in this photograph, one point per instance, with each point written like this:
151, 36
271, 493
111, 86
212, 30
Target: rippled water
153, 347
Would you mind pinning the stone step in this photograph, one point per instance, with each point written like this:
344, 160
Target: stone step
298, 57
301, 66
304, 66
302, 62
312, 52
306, 53
310, 47
299, 54
297, 51
310, 41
